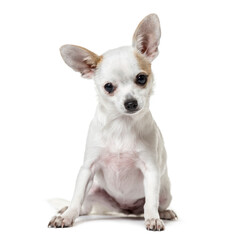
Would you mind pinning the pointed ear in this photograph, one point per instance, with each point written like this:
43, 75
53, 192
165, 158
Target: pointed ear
147, 35
80, 59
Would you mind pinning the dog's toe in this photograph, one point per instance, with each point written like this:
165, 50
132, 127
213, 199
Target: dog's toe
154, 224
52, 222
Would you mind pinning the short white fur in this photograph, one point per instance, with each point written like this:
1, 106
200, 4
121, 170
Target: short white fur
124, 167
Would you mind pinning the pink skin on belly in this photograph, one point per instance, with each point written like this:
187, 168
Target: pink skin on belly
121, 177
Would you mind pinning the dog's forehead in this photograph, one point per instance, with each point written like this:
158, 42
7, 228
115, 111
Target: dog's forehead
120, 61
122, 57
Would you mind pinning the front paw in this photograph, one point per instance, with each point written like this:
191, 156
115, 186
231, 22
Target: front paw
65, 219
154, 224
60, 222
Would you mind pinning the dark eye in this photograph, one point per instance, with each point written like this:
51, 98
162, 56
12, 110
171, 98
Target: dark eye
109, 87
141, 79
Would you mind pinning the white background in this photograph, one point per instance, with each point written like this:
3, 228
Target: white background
45, 110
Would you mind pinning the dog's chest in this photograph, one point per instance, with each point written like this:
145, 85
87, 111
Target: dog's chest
120, 137
119, 164
121, 174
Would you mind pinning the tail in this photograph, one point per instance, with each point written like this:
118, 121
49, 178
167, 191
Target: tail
58, 203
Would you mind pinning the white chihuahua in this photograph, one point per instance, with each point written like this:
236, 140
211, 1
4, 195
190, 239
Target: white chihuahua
124, 167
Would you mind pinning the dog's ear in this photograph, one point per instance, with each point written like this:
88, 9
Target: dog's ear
147, 35
80, 59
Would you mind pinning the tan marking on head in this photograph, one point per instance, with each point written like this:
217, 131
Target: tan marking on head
99, 60
144, 64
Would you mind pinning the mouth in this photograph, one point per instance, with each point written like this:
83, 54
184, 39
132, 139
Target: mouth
132, 112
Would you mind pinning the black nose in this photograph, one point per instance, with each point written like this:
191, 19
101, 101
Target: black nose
131, 105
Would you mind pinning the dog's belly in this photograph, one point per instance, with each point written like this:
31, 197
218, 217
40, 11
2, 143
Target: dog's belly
121, 177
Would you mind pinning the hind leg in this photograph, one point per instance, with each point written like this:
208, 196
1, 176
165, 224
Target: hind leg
98, 201
165, 200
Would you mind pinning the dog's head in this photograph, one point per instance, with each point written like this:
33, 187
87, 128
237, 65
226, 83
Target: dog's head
123, 76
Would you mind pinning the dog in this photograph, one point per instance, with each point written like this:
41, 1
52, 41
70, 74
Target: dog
124, 168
